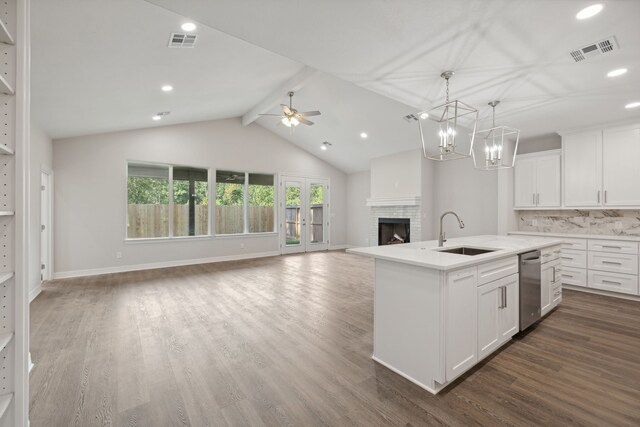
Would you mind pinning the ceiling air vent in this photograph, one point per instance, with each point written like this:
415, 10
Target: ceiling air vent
598, 48
182, 40
410, 118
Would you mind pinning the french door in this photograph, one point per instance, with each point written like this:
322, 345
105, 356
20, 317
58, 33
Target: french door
304, 214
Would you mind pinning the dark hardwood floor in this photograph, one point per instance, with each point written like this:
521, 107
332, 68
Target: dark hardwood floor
288, 340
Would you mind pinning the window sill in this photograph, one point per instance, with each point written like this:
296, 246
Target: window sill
243, 235
167, 239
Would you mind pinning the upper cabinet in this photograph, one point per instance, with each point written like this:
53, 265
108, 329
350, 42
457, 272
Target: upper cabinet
582, 171
601, 168
621, 166
537, 180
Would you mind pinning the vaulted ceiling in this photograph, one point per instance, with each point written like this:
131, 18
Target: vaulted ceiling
98, 65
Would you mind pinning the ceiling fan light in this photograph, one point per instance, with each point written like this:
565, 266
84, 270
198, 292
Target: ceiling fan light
294, 121
286, 122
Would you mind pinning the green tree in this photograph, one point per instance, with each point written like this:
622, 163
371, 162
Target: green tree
147, 191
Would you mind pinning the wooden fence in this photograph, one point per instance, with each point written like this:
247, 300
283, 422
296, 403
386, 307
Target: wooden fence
153, 220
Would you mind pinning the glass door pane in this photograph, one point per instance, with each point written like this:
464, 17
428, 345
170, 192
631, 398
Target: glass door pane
316, 213
293, 210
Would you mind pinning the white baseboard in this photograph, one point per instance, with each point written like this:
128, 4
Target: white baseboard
340, 247
33, 293
402, 374
601, 292
153, 265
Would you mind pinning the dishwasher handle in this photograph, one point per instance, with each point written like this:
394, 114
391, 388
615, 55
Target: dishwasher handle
531, 261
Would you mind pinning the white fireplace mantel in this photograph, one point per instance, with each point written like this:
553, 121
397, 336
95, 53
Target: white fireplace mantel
395, 201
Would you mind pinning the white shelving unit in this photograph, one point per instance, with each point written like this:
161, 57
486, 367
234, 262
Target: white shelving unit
14, 140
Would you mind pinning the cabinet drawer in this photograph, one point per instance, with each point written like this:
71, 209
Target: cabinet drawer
615, 246
574, 276
614, 282
575, 244
615, 263
497, 270
550, 254
575, 259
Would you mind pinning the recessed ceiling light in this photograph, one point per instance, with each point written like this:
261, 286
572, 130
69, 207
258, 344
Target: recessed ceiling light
325, 146
167, 88
424, 116
188, 26
589, 11
363, 135
634, 104
616, 73
156, 118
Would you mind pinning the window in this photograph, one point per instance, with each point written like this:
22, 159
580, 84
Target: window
229, 202
155, 193
245, 202
261, 203
148, 201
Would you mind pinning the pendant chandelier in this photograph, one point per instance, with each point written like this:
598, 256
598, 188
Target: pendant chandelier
448, 116
493, 152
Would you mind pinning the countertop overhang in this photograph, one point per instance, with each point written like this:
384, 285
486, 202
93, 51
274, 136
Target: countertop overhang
426, 254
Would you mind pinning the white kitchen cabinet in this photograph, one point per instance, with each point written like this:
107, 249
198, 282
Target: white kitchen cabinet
462, 309
549, 276
620, 171
537, 180
582, 169
497, 314
600, 168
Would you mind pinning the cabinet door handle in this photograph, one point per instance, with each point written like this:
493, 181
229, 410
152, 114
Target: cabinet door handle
612, 247
598, 196
612, 262
605, 197
611, 281
554, 274
567, 275
534, 198
537, 198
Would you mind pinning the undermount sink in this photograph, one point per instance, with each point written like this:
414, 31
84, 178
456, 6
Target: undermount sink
466, 250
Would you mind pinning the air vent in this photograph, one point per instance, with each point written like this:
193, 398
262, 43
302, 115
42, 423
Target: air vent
182, 40
598, 48
163, 113
410, 118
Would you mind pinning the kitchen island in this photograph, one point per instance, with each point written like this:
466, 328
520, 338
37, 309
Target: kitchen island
438, 313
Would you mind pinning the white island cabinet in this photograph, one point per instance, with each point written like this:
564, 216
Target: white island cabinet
437, 314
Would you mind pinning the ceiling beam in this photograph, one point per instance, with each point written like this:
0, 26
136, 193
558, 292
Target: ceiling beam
279, 95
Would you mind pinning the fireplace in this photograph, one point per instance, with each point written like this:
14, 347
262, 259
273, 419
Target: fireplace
393, 231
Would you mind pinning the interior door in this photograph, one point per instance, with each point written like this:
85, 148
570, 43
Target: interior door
45, 226
305, 214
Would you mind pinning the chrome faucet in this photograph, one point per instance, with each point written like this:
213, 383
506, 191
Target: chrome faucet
441, 238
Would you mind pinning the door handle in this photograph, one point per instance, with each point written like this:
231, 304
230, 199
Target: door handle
598, 196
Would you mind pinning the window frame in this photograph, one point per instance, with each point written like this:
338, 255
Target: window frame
245, 225
171, 237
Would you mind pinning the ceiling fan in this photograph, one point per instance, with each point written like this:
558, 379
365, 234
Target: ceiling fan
291, 117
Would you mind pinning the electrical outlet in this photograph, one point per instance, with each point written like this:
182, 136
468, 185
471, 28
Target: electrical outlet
618, 225
118, 255
534, 222
241, 245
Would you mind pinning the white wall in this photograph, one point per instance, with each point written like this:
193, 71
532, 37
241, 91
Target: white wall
471, 193
396, 175
358, 190
41, 156
90, 191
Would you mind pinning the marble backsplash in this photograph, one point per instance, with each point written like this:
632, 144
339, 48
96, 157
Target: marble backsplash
605, 222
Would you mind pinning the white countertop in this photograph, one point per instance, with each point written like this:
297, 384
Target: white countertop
425, 254
577, 236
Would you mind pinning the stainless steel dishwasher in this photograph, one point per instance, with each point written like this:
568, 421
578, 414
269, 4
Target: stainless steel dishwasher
530, 292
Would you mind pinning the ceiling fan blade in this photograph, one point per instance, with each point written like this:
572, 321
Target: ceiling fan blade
286, 109
310, 113
305, 121
276, 115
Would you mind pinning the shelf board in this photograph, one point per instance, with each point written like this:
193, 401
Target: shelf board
4, 150
5, 87
5, 36
5, 276
5, 339
7, 213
